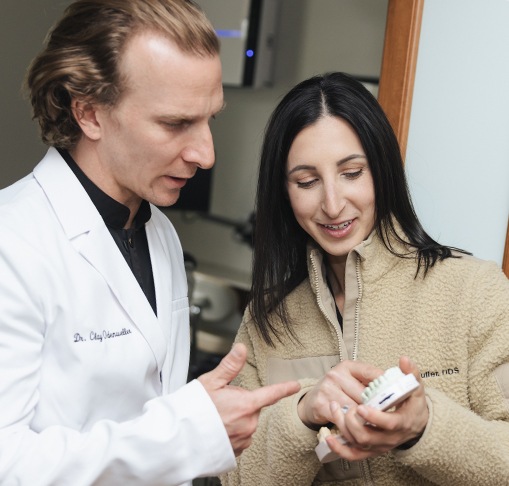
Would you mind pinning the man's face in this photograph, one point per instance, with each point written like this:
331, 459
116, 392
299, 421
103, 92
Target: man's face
157, 135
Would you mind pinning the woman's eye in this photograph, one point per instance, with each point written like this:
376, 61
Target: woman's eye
353, 175
306, 184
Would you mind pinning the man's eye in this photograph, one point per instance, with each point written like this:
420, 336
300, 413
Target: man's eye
176, 125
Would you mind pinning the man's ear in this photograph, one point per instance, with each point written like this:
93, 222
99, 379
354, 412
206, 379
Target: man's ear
85, 114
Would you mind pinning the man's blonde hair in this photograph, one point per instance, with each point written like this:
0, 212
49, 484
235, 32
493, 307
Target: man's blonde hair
82, 52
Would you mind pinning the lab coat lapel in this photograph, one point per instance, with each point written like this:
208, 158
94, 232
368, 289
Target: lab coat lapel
101, 251
87, 232
162, 277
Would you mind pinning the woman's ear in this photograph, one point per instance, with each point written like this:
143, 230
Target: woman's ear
85, 114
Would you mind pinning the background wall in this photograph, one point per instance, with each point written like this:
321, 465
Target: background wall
458, 145
23, 27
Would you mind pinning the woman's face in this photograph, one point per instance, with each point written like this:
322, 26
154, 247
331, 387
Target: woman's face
330, 186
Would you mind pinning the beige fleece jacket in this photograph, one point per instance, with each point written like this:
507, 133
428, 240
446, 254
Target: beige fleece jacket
454, 324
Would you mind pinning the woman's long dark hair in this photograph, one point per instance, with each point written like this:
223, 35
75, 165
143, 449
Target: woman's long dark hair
279, 259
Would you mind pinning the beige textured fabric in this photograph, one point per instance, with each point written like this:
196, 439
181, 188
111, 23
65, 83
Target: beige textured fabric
454, 324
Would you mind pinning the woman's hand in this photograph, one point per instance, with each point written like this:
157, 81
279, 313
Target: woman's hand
370, 432
343, 384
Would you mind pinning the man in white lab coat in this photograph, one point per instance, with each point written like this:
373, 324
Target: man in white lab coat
94, 331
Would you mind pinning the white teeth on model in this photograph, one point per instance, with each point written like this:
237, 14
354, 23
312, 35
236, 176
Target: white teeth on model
338, 226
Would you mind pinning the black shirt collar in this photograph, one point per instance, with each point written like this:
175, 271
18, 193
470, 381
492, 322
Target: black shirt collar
114, 214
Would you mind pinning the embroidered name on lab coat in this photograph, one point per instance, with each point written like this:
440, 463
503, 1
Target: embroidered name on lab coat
100, 337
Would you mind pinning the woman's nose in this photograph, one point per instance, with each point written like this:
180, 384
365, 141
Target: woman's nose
332, 201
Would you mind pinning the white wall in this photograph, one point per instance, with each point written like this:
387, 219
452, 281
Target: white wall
458, 147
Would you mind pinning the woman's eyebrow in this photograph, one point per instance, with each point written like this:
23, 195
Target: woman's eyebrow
338, 163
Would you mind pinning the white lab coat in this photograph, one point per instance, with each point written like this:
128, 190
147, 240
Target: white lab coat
88, 374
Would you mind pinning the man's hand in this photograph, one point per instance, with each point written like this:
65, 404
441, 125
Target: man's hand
239, 409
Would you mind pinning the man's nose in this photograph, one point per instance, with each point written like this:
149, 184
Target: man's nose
200, 150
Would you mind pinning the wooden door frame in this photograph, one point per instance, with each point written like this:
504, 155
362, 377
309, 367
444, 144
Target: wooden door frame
397, 76
399, 61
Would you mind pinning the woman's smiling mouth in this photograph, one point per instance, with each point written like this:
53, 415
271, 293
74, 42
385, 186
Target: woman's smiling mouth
338, 226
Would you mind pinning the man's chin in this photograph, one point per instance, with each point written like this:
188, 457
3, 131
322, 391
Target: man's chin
167, 201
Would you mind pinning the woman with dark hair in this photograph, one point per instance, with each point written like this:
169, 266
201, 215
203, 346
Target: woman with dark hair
347, 283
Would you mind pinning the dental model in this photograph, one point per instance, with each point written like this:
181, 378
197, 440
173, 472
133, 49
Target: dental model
382, 393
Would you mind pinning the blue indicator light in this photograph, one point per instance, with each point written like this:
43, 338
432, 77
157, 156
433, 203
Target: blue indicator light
229, 33
250, 53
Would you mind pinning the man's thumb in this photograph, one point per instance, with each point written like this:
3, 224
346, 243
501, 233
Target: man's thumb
228, 368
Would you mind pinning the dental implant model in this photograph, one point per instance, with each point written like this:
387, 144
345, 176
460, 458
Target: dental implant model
382, 393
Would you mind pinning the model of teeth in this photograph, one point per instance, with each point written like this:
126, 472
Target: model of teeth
338, 226
382, 393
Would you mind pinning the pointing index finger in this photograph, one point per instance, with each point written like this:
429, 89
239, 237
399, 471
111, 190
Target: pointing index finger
270, 394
